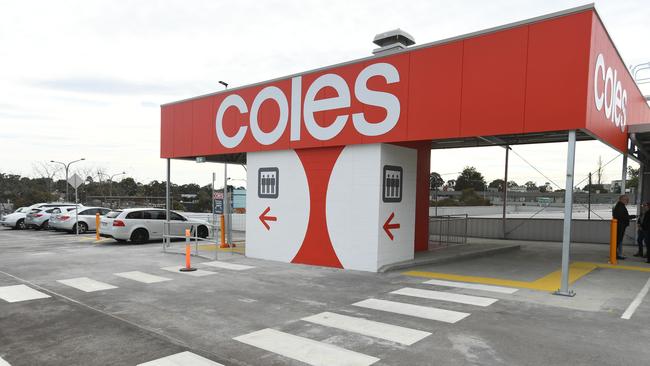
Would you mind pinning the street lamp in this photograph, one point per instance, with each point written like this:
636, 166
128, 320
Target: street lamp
67, 166
110, 183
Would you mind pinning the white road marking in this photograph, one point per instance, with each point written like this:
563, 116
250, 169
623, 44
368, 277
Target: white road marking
181, 359
389, 332
197, 273
473, 286
3, 362
445, 296
637, 301
305, 350
425, 312
86, 284
142, 277
227, 265
20, 293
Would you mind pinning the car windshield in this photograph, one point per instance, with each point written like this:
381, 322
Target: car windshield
113, 214
23, 210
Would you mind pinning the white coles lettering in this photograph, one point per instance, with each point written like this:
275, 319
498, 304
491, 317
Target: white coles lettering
233, 100
609, 93
274, 93
380, 99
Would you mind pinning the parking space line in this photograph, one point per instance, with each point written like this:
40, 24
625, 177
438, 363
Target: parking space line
304, 349
425, 312
227, 265
183, 358
4, 363
86, 284
473, 286
19, 293
197, 273
389, 332
636, 302
445, 296
142, 277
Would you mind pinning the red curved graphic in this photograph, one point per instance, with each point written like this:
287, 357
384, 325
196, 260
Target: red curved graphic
316, 248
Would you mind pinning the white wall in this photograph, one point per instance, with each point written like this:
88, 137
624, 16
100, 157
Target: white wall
283, 240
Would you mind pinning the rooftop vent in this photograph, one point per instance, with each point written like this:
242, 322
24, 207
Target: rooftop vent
392, 41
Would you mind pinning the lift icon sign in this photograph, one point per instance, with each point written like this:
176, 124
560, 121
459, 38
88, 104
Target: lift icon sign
392, 184
268, 182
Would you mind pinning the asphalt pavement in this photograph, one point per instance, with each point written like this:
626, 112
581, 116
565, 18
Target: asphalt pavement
67, 300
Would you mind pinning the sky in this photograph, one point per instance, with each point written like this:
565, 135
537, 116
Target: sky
86, 78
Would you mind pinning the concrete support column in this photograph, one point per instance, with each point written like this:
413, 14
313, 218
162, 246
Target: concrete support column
422, 197
168, 203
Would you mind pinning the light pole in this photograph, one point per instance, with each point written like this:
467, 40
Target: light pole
226, 201
67, 166
110, 183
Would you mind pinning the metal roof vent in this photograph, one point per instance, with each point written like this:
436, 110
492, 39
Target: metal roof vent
392, 41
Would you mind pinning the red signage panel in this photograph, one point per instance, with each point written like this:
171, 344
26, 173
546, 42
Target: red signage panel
528, 78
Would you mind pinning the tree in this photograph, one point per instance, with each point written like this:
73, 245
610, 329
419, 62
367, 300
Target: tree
531, 186
497, 183
546, 187
512, 183
451, 184
633, 177
435, 181
470, 178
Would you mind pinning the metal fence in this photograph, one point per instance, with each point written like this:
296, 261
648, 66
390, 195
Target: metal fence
208, 247
447, 230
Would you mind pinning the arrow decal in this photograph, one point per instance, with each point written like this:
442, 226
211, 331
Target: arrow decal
265, 218
388, 226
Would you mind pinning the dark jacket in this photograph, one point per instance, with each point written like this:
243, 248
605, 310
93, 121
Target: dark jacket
645, 223
619, 212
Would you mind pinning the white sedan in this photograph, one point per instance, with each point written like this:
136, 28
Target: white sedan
140, 225
16, 219
67, 221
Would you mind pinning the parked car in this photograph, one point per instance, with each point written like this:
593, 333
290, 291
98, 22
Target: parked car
16, 219
140, 225
39, 218
67, 221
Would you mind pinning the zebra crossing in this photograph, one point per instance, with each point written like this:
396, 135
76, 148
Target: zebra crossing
19, 293
316, 353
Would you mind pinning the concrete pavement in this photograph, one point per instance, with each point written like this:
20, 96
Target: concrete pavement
253, 312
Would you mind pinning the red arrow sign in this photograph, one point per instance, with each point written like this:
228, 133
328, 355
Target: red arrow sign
388, 226
265, 218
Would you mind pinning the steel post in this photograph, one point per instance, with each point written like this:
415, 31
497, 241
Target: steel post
568, 215
505, 193
624, 173
167, 203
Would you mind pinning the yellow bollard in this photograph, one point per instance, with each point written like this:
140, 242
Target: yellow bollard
612, 242
97, 226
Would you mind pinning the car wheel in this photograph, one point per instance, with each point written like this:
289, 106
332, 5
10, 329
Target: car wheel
202, 232
45, 225
20, 224
140, 236
83, 228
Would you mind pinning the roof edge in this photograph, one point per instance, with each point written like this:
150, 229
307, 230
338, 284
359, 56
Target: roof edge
557, 14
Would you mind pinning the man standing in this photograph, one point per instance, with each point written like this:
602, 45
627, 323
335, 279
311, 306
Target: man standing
641, 230
619, 212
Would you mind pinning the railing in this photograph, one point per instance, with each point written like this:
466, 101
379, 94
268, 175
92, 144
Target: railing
208, 247
447, 230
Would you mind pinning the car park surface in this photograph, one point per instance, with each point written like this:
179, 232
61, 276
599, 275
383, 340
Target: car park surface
123, 304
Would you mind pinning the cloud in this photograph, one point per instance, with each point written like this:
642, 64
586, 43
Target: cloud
106, 86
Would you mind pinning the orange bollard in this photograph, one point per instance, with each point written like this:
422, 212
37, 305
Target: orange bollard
188, 265
97, 226
612, 242
223, 232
